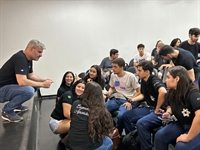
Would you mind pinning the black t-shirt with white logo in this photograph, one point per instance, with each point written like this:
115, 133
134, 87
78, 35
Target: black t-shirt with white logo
185, 111
150, 89
78, 136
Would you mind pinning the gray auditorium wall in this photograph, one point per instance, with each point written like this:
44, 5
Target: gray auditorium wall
80, 33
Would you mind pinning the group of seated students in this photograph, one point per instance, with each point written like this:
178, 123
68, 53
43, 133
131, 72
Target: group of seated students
83, 117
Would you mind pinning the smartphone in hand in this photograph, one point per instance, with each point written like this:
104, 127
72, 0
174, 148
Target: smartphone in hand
165, 119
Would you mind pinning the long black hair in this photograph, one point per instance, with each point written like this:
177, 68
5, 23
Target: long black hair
63, 79
98, 78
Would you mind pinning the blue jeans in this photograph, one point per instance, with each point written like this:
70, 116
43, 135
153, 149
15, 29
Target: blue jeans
116, 104
162, 140
131, 117
16, 95
145, 127
107, 144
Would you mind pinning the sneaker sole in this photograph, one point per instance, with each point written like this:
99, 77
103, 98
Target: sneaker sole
10, 120
19, 110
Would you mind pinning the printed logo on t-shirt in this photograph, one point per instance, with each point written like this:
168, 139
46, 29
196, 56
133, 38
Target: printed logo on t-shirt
22, 70
198, 98
119, 85
156, 83
185, 112
152, 98
141, 60
69, 96
81, 110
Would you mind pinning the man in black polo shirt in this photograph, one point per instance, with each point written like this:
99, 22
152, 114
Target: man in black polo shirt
151, 98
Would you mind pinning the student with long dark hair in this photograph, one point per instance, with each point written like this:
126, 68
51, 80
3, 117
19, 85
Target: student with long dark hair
94, 74
184, 104
91, 123
66, 84
60, 116
175, 42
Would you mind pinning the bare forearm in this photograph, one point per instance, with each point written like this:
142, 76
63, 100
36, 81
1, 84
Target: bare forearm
35, 78
137, 93
137, 98
22, 80
195, 127
191, 74
29, 82
161, 97
169, 110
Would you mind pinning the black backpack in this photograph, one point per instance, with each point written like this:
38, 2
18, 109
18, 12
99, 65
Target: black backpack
131, 141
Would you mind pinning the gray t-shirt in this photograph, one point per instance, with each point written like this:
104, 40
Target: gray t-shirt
125, 85
106, 64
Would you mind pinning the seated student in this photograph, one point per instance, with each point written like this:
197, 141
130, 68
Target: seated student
151, 98
94, 74
91, 122
159, 61
106, 63
184, 104
153, 52
175, 42
66, 84
60, 116
141, 56
126, 86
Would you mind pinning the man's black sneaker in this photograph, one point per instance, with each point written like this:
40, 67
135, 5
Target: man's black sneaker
11, 116
21, 108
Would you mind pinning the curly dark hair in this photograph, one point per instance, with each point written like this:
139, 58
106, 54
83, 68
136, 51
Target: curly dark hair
100, 123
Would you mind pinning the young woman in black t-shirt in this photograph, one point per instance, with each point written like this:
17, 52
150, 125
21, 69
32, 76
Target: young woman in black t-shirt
94, 74
91, 123
60, 117
66, 84
184, 108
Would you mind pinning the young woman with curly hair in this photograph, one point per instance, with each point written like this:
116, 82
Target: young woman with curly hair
91, 123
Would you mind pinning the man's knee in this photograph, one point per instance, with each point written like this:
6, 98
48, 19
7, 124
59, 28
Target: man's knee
28, 92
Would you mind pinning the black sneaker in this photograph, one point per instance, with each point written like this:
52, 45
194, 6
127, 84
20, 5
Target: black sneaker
11, 116
21, 109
